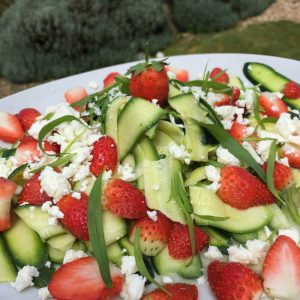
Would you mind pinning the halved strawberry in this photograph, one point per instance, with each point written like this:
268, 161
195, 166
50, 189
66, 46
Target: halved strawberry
154, 234
75, 94
179, 243
292, 153
291, 90
125, 200
179, 291
234, 281
110, 79
28, 150
181, 74
241, 189
239, 131
27, 117
215, 75
75, 215
281, 269
51, 147
235, 94
7, 190
10, 128
105, 154
31, 192
225, 100
272, 105
80, 279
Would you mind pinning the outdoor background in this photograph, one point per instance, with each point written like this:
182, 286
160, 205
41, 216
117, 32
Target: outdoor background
41, 40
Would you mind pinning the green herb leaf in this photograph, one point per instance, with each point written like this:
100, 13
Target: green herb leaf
215, 163
123, 81
292, 208
214, 116
206, 84
96, 234
212, 218
17, 172
6, 153
269, 120
257, 113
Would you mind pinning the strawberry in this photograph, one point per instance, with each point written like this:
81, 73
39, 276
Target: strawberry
282, 175
125, 200
235, 94
154, 234
27, 117
105, 154
31, 192
179, 243
75, 215
281, 269
292, 153
291, 90
75, 94
217, 77
239, 131
272, 105
179, 291
10, 128
80, 279
28, 150
51, 147
180, 74
241, 189
234, 281
110, 79
7, 190
225, 100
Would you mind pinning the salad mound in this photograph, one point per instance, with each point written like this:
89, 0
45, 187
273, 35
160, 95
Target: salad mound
154, 186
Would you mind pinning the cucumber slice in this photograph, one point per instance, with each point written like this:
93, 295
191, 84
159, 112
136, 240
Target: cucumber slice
206, 203
24, 245
161, 142
292, 102
151, 132
79, 245
235, 81
196, 176
244, 237
125, 244
216, 238
137, 116
8, 271
114, 253
37, 220
171, 130
62, 242
173, 91
129, 159
56, 255
279, 221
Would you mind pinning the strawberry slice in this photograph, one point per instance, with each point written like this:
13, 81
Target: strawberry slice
235, 94
179, 243
291, 90
80, 279
180, 74
110, 79
281, 269
75, 94
272, 105
154, 234
7, 190
105, 154
75, 215
125, 200
27, 117
10, 128
234, 281
225, 100
179, 291
292, 153
239, 131
31, 192
217, 77
241, 189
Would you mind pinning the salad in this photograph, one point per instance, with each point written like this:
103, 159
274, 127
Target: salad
154, 186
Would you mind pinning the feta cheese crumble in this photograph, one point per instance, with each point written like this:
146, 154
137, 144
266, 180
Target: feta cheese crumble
71, 255
126, 172
213, 253
179, 152
152, 215
128, 265
133, 287
24, 278
166, 279
76, 195
201, 280
44, 293
53, 211
225, 157
213, 174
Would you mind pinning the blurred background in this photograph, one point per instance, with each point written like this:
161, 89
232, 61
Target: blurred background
41, 40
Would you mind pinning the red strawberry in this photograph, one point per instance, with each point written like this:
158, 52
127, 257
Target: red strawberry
272, 105
281, 269
234, 281
235, 94
31, 192
75, 94
51, 147
292, 153
179, 243
28, 150
110, 79
125, 200
181, 74
105, 154
225, 100
291, 90
154, 234
239, 131
241, 189
27, 117
282, 175
179, 291
214, 76
7, 190
10, 128
75, 215
80, 279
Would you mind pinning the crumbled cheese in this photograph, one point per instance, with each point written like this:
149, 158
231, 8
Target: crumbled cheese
252, 152
154, 101
48, 264
18, 190
5, 170
179, 152
53, 211
155, 187
44, 293
71, 255
258, 248
133, 287
292, 233
278, 94
115, 93
212, 98
94, 85
82, 172
284, 161
198, 92
128, 265
288, 128
225, 157
107, 175
201, 280
241, 255
171, 75
166, 279
152, 215
213, 253
24, 278
213, 174
76, 195
263, 149
126, 172
230, 113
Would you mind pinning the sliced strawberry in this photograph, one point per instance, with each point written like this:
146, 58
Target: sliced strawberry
179, 291
217, 75
234, 281
74, 95
51, 147
80, 279
125, 200
10, 128
154, 234
241, 189
291, 90
7, 190
28, 150
282, 175
272, 105
292, 153
181, 74
179, 243
31, 192
225, 100
281, 269
105, 154
239, 131
27, 117
75, 215
110, 79
235, 94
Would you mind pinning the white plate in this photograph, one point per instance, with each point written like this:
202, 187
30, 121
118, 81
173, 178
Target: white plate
52, 93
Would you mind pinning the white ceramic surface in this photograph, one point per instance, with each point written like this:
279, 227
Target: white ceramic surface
52, 93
